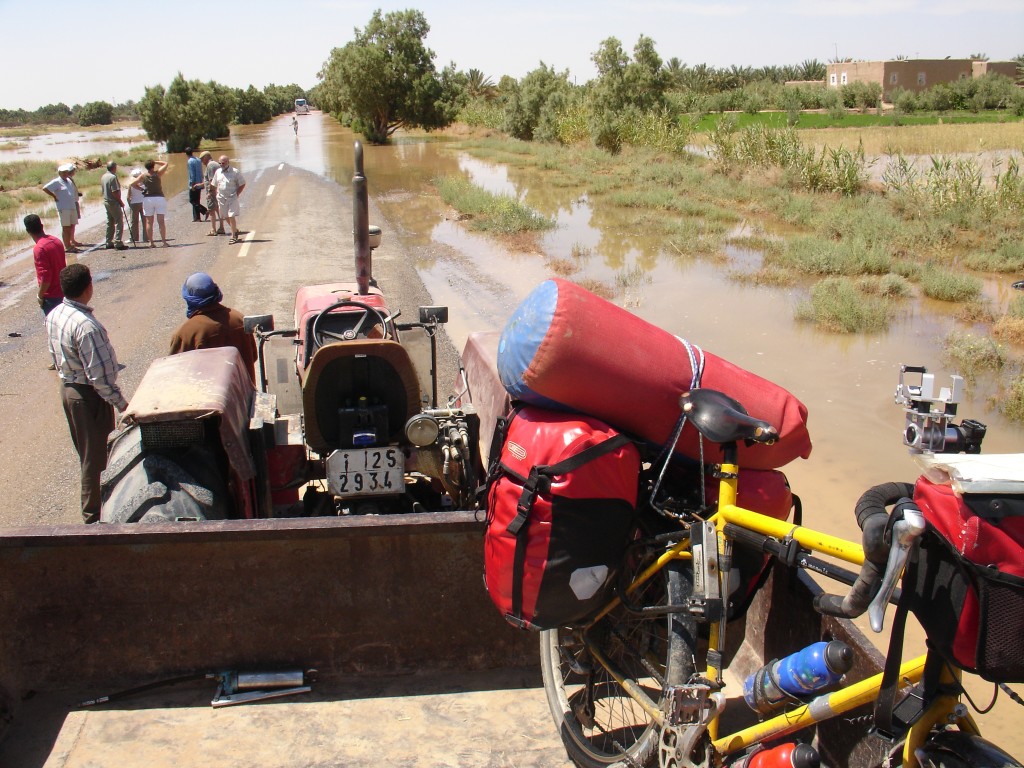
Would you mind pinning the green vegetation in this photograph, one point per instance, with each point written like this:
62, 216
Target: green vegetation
488, 212
96, 113
1012, 403
973, 354
21, 182
837, 305
385, 79
945, 285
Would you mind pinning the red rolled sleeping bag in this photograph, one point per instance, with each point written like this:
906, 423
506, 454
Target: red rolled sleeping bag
568, 349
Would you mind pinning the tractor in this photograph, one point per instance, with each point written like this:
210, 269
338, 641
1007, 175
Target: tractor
200, 442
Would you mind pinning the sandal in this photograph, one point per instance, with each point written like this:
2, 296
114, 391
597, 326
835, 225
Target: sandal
221, 232
233, 240
211, 234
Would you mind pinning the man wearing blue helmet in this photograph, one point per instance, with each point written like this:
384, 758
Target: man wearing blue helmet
211, 324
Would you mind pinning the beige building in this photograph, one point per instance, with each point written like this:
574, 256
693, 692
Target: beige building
913, 74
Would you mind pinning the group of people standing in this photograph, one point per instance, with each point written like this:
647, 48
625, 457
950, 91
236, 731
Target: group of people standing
85, 361
80, 350
146, 201
223, 184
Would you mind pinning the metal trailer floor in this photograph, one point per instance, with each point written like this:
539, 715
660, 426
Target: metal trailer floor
482, 719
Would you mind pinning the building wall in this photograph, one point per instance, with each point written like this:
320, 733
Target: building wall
913, 75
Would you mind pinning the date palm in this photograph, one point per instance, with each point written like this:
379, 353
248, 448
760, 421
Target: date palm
479, 85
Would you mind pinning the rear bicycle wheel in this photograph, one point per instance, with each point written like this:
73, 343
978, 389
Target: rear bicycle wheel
955, 749
599, 722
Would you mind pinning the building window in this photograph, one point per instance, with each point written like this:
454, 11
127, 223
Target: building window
843, 79
920, 78
893, 78
832, 79
963, 75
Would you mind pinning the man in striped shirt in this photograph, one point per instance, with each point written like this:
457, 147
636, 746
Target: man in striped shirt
87, 367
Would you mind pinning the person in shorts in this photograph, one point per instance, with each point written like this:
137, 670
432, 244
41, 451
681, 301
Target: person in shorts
65, 194
135, 198
210, 168
154, 204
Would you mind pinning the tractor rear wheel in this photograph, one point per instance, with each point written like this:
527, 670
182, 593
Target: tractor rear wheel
169, 485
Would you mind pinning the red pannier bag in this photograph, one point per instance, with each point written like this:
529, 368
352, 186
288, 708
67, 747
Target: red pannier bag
967, 585
560, 506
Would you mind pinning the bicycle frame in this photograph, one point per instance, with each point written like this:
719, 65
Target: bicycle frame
944, 709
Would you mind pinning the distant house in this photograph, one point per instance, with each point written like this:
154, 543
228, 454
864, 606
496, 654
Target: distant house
913, 74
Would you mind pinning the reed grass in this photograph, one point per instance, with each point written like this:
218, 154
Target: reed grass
918, 139
972, 354
946, 285
836, 305
489, 212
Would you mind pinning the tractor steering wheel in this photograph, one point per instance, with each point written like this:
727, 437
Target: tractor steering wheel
322, 336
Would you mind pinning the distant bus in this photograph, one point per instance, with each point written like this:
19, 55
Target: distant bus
301, 107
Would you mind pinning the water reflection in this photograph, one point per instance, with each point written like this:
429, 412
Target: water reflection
73, 144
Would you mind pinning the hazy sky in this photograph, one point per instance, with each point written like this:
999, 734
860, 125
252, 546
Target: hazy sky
77, 51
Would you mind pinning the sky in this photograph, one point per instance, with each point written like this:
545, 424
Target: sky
76, 51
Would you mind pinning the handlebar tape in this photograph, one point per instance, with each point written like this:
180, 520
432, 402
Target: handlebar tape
874, 522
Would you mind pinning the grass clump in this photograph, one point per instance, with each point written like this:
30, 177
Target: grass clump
836, 305
1010, 327
889, 286
1012, 402
943, 285
501, 214
814, 255
1007, 257
972, 354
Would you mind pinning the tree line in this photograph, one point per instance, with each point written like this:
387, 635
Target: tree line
188, 111
385, 79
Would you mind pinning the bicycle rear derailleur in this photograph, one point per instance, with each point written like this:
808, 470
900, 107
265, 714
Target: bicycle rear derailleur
688, 709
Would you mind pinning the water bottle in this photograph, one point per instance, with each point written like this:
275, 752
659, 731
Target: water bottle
817, 666
782, 756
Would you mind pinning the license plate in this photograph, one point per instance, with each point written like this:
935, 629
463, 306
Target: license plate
366, 471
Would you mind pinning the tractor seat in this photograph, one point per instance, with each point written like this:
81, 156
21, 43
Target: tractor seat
352, 380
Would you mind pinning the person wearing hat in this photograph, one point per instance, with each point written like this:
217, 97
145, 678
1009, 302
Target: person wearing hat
114, 206
135, 198
210, 324
210, 168
65, 194
154, 204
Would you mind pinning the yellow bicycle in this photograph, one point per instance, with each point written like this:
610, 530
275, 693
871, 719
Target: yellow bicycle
625, 689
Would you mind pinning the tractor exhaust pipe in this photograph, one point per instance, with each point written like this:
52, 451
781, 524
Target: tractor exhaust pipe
361, 225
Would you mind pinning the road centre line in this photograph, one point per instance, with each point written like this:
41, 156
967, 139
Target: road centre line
271, 190
245, 245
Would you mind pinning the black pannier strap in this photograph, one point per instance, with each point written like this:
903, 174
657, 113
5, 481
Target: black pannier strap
539, 480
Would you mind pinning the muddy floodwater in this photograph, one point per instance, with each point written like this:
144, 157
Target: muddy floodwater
846, 381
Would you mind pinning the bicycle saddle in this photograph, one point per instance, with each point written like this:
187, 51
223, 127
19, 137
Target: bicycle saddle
723, 420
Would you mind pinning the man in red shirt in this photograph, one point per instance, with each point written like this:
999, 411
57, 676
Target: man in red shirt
50, 260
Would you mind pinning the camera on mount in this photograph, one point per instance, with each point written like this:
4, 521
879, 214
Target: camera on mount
929, 424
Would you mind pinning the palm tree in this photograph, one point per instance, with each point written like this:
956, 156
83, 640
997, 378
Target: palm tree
812, 69
978, 57
479, 85
676, 71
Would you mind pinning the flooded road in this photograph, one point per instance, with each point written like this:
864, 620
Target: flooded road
847, 382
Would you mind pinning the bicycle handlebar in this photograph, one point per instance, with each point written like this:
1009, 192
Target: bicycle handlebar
882, 549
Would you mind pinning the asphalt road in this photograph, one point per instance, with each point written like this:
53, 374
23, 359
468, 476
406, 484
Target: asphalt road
298, 231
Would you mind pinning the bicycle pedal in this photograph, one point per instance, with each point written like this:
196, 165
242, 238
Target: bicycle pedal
691, 703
